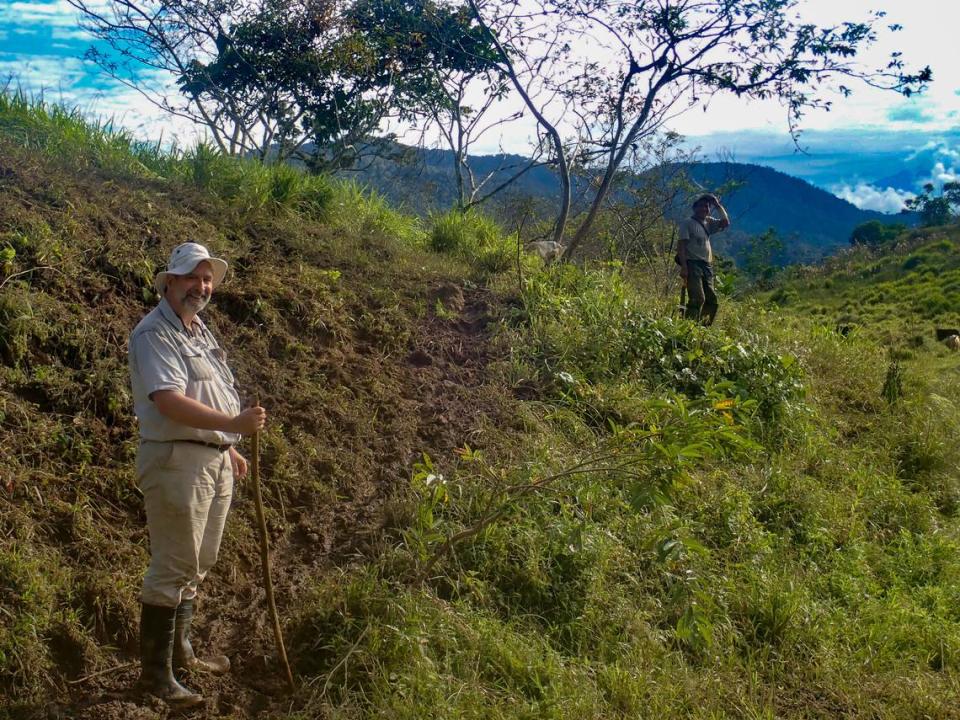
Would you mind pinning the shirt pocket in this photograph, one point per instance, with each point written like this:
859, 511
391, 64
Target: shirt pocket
198, 367
221, 359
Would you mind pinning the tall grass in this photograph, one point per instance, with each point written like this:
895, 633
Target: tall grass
247, 184
66, 133
475, 237
354, 208
705, 564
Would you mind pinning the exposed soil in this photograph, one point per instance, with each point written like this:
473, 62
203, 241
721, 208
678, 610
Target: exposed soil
361, 376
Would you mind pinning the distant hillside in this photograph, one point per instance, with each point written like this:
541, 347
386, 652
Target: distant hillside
812, 222
425, 182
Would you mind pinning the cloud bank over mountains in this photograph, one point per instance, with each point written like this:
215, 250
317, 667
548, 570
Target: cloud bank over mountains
873, 168
867, 197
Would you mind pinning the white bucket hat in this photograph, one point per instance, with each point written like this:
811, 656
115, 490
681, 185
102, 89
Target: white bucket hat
184, 258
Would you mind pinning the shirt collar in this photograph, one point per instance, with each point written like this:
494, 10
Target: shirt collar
171, 316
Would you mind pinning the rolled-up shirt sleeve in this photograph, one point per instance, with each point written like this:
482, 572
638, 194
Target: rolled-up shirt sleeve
160, 363
715, 225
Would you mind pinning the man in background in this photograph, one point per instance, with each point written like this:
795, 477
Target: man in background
190, 421
695, 256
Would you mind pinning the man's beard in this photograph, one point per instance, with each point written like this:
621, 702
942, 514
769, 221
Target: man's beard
196, 303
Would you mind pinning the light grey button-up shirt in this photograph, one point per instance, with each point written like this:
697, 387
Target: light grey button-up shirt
164, 356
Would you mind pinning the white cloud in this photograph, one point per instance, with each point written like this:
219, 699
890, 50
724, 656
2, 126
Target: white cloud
926, 39
868, 197
70, 33
66, 81
130, 110
58, 13
943, 174
938, 162
36, 73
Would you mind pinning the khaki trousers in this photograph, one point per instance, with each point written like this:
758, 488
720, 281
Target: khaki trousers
186, 490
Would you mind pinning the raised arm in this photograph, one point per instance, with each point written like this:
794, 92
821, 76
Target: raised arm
724, 219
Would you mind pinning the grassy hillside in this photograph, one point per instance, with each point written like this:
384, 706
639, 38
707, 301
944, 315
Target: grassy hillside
488, 497
897, 295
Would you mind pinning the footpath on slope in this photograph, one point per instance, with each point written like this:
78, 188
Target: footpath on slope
362, 363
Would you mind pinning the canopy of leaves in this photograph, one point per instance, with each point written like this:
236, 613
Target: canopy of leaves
282, 78
419, 42
941, 209
301, 63
875, 234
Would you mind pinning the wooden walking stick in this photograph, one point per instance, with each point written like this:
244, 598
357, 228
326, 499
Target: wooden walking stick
265, 555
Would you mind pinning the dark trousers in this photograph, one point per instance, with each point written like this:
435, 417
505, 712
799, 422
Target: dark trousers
702, 302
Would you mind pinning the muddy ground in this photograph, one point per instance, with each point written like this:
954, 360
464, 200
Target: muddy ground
362, 371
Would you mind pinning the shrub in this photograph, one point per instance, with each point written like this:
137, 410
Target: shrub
784, 296
913, 262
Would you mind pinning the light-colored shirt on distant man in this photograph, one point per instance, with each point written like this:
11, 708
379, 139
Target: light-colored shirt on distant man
697, 236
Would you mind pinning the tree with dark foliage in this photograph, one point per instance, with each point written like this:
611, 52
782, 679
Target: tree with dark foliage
314, 80
939, 209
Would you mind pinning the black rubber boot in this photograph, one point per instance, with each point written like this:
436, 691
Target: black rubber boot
156, 655
183, 656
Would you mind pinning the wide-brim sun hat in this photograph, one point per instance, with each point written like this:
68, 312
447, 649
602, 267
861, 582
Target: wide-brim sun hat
184, 258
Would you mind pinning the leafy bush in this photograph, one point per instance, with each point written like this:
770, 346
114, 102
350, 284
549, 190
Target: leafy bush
589, 326
875, 234
784, 296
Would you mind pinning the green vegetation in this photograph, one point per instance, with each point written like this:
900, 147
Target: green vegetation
664, 552
896, 294
493, 491
937, 209
875, 234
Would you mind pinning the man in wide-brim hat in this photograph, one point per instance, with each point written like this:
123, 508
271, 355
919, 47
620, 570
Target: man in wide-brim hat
190, 421
695, 256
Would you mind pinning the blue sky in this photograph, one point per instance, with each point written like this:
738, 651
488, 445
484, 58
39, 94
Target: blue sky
873, 149
41, 45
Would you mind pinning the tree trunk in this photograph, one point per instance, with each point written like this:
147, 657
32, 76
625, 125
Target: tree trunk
563, 168
618, 151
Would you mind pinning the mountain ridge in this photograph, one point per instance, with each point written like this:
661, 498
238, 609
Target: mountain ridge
813, 222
